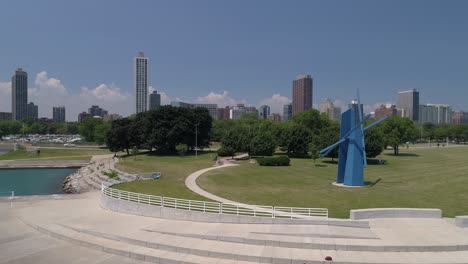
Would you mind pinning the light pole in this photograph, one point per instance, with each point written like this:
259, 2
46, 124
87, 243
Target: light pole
196, 139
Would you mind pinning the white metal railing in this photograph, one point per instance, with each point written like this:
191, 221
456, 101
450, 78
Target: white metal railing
215, 207
10, 195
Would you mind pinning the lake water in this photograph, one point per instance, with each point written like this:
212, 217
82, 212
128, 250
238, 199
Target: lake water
33, 181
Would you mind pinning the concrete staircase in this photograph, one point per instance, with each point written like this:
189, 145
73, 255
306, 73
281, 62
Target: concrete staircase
159, 247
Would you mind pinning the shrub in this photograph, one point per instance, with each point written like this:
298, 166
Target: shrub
274, 161
111, 174
182, 149
223, 152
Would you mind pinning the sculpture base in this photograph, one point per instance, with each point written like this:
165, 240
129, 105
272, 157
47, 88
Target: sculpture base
346, 186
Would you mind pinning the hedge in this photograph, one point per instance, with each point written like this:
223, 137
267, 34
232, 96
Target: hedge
274, 161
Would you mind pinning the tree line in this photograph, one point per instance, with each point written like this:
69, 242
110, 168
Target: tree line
28, 126
304, 135
161, 130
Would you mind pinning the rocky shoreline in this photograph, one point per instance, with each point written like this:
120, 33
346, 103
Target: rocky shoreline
100, 171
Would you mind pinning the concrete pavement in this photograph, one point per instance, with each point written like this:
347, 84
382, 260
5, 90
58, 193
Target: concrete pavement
46, 231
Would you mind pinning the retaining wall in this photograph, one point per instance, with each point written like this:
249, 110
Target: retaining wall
461, 221
122, 206
394, 213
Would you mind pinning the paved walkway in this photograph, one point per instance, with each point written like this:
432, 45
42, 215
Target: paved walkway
74, 229
191, 183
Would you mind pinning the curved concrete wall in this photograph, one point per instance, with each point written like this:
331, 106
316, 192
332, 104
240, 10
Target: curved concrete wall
128, 207
395, 213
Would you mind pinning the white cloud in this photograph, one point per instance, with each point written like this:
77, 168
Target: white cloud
5, 96
104, 92
221, 99
275, 102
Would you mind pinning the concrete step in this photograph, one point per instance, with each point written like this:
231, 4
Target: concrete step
272, 254
127, 250
366, 245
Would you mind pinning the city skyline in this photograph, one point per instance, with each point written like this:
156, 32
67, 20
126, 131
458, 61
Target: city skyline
380, 49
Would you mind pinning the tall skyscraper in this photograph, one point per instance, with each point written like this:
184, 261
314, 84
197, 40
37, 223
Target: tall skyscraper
141, 83
33, 111
58, 114
302, 94
19, 95
287, 112
409, 102
264, 111
155, 101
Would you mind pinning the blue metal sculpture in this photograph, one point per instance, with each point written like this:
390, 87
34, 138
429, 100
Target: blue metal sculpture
352, 152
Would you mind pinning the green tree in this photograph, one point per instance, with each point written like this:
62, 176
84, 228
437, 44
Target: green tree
312, 119
88, 128
374, 140
295, 138
73, 128
398, 130
231, 142
314, 151
328, 136
100, 132
262, 144
118, 137
429, 130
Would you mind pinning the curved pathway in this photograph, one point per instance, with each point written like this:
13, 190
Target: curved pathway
191, 183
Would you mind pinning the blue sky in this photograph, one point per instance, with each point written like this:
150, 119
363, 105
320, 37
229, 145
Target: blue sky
252, 50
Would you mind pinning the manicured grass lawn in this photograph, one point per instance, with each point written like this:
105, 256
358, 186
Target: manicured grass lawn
54, 154
174, 170
420, 178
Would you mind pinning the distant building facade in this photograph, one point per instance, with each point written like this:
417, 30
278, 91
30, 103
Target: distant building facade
275, 117
58, 114
141, 83
155, 101
111, 117
302, 94
435, 114
460, 118
33, 111
95, 110
237, 111
5, 116
212, 108
333, 112
264, 111
409, 102
385, 111
19, 95
287, 112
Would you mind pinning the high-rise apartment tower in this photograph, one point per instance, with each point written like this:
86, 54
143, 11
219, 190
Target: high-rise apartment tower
141, 83
19, 95
58, 114
409, 102
302, 94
